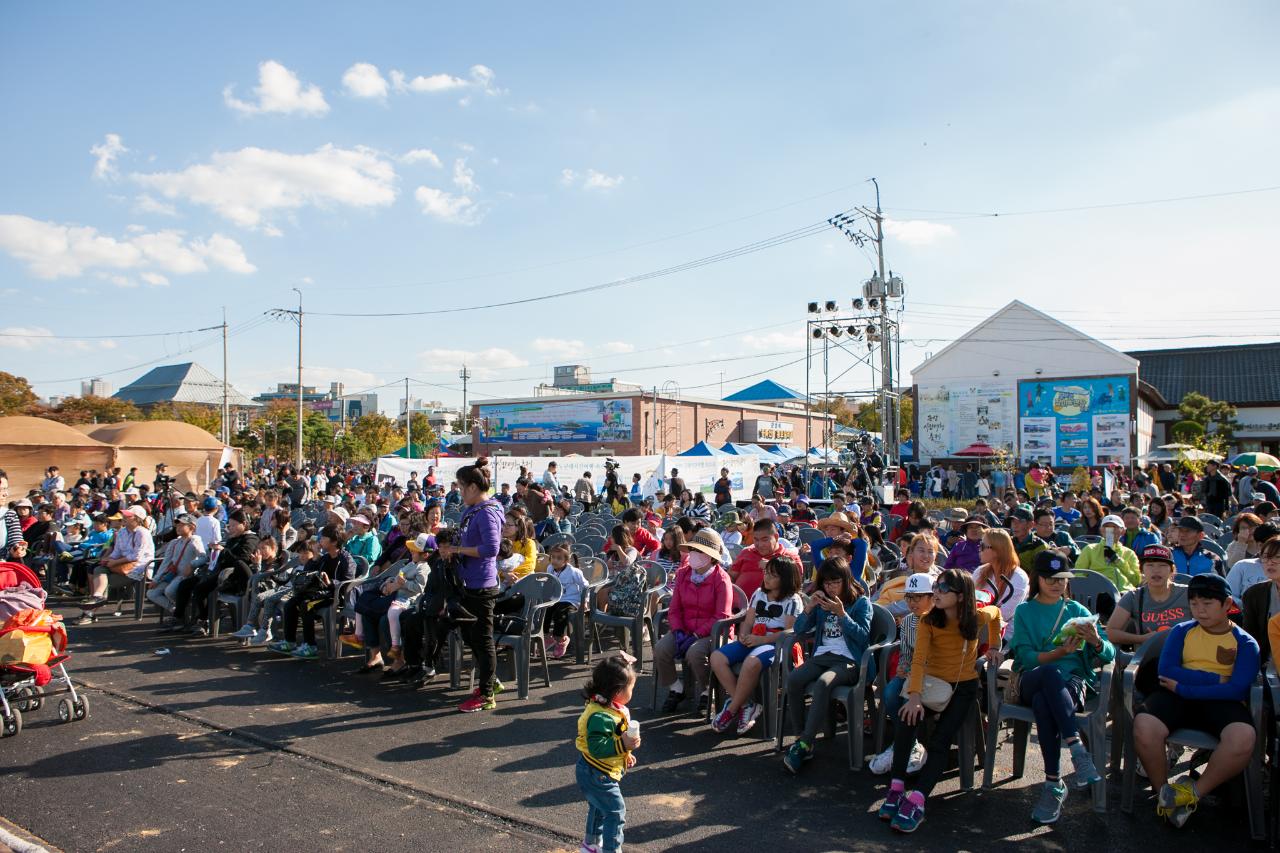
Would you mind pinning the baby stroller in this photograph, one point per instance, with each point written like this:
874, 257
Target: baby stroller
24, 683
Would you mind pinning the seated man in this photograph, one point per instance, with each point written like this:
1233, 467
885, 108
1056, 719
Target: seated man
1206, 668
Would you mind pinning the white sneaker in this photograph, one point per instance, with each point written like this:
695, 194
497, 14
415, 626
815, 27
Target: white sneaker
246, 632
260, 637
881, 763
918, 756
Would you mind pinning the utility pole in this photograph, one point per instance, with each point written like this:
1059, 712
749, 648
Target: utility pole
465, 375
889, 429
296, 316
408, 423
226, 409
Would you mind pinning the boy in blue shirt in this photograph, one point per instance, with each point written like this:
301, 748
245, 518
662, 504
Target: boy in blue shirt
1066, 512
1207, 667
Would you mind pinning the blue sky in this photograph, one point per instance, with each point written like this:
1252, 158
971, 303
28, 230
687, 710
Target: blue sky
163, 161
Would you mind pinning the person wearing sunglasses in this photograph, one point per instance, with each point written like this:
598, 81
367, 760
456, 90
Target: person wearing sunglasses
1000, 574
947, 645
773, 608
1056, 676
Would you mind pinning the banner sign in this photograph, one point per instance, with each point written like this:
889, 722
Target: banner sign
768, 432
698, 473
596, 421
953, 416
1070, 422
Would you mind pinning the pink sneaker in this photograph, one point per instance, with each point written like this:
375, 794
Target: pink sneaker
561, 646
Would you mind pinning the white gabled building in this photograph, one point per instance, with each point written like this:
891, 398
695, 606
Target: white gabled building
968, 392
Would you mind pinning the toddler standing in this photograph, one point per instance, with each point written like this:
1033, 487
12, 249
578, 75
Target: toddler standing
606, 740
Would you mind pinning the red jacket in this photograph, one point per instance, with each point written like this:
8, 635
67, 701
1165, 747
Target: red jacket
645, 543
696, 607
748, 570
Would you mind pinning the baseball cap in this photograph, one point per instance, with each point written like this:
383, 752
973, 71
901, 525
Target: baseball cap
958, 514
802, 500
341, 513
1190, 522
1052, 565
1157, 554
783, 509
920, 583
419, 543
1111, 519
186, 518
137, 511
209, 503
1209, 585
362, 518
1021, 513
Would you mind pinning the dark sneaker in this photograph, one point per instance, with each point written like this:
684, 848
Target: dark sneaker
704, 701
889, 808
909, 817
796, 756
673, 703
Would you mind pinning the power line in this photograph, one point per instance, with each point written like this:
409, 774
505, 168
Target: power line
51, 337
750, 248
604, 253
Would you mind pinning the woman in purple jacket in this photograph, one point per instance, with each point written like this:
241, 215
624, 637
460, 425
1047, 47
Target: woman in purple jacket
481, 528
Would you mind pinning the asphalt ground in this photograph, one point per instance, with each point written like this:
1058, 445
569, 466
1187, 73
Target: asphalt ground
215, 744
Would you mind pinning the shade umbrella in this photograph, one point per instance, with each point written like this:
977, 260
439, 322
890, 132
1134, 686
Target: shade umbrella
1176, 446
978, 448
1262, 461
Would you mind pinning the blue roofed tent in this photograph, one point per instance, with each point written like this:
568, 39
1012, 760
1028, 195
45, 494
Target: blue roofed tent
750, 450
766, 391
907, 451
788, 452
701, 449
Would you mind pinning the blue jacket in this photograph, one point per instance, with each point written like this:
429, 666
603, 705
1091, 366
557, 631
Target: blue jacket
1136, 540
855, 625
1199, 684
1201, 562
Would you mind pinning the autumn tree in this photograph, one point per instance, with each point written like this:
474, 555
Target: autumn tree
16, 396
208, 418
377, 434
95, 410
424, 435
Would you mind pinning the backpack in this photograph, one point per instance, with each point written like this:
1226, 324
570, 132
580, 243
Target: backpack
627, 596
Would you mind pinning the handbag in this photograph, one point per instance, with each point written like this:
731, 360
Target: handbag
1013, 686
935, 694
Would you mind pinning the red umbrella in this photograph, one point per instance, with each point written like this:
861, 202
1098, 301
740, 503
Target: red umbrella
979, 448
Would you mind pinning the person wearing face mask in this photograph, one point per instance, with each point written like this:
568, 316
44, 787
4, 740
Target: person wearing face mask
1111, 558
702, 595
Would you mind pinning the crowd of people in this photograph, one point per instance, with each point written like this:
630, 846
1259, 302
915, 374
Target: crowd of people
989, 580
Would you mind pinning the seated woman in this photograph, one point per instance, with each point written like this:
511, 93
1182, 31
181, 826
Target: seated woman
1157, 605
1000, 573
1056, 677
947, 643
838, 617
670, 557
773, 609
703, 595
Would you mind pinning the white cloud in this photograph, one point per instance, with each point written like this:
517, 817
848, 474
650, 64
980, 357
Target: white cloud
598, 181
618, 347
106, 153
246, 186
773, 341
917, 232
53, 250
433, 83
463, 178
363, 80
279, 91
154, 279
147, 203
590, 180
482, 363
558, 347
446, 207
480, 78
30, 338
421, 155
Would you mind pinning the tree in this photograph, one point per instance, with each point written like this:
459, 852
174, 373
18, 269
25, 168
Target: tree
377, 435
424, 435
317, 435
868, 417
845, 414
1218, 417
208, 418
95, 410
276, 428
16, 396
